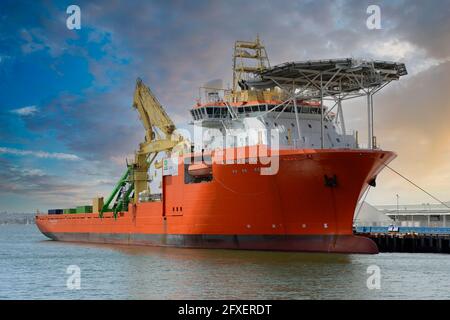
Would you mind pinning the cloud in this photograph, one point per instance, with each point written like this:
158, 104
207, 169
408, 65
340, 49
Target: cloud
44, 190
39, 154
98, 126
27, 172
25, 111
392, 49
411, 118
189, 43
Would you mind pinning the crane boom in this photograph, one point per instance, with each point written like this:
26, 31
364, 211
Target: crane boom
151, 111
153, 117
159, 137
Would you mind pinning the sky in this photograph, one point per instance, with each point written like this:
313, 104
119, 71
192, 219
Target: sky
67, 125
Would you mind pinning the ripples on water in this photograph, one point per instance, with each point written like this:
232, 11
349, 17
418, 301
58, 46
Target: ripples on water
32, 267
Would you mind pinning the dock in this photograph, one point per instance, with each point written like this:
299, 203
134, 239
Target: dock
408, 239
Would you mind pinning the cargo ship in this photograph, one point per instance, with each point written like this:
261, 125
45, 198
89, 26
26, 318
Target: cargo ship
274, 168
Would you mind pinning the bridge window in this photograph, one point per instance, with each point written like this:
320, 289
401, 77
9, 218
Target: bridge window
224, 112
277, 108
210, 112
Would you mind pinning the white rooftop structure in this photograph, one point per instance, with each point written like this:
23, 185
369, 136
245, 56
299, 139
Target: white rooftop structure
369, 216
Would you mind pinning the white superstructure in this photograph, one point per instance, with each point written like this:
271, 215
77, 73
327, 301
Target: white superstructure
266, 123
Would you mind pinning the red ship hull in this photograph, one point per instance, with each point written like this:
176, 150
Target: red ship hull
308, 205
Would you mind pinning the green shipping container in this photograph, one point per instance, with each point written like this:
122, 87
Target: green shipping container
84, 209
71, 210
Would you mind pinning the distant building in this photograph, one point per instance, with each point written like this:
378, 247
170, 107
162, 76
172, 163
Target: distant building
418, 215
16, 218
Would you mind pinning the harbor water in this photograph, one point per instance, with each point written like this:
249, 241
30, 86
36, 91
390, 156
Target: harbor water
33, 267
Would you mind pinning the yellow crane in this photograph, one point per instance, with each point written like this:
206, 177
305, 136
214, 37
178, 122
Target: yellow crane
160, 136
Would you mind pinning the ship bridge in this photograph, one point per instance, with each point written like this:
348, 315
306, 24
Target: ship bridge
292, 97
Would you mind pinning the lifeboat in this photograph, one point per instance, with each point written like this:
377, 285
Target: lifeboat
200, 170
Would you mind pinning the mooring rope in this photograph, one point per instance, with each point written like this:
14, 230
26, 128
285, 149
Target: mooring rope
420, 188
